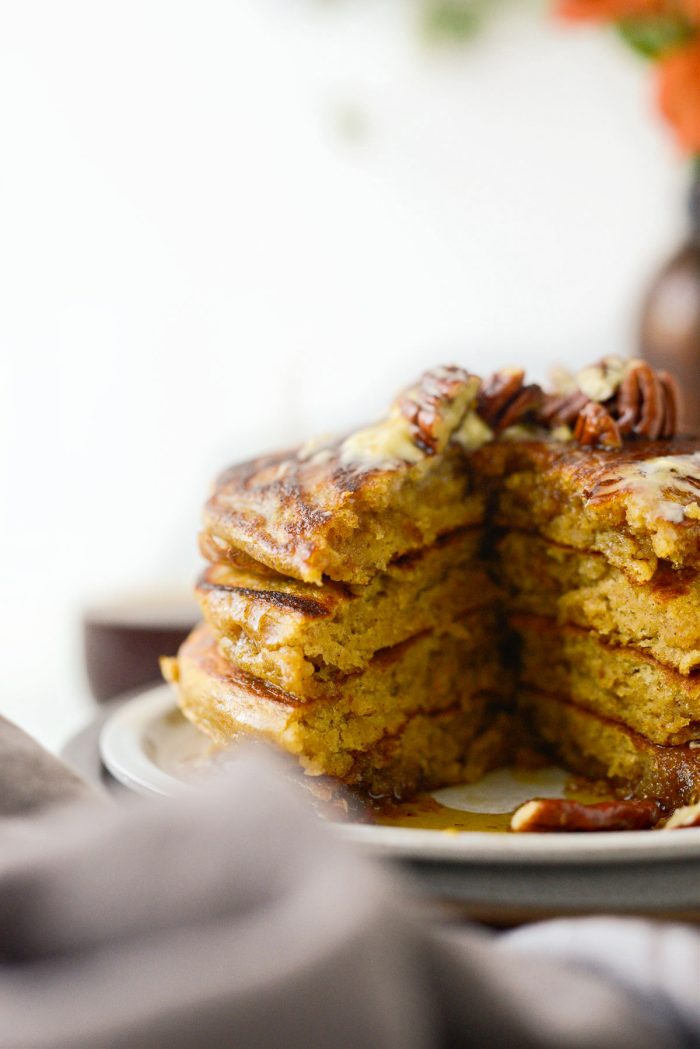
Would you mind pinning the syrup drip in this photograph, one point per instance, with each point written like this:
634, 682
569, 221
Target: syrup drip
425, 812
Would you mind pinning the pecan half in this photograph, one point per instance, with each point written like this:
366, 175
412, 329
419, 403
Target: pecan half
628, 398
651, 416
672, 403
562, 409
505, 400
647, 403
563, 814
435, 407
595, 425
497, 391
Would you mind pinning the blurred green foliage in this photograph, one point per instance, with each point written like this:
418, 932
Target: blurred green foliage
653, 35
455, 20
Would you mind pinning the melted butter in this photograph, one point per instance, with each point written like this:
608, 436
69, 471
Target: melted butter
386, 445
562, 433
473, 432
520, 432
601, 381
317, 449
649, 485
390, 443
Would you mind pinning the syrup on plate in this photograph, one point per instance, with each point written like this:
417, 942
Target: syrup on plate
486, 806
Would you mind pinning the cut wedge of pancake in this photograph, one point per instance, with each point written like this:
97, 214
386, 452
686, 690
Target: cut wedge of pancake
471, 639
435, 750
661, 617
597, 746
635, 505
618, 682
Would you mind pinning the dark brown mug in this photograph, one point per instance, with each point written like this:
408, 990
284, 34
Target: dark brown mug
124, 640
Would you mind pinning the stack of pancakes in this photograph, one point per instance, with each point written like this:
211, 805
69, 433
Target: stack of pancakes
598, 555
350, 617
362, 595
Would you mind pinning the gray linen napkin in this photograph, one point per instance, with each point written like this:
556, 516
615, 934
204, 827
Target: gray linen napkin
30, 777
232, 917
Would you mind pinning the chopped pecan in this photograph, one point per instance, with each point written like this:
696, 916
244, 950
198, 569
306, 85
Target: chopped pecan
563, 814
435, 407
615, 399
596, 426
562, 409
505, 400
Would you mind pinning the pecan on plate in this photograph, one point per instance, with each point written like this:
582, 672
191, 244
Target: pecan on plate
596, 426
563, 814
505, 400
435, 407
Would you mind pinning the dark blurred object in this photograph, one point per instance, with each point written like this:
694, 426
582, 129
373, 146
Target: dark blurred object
670, 329
123, 641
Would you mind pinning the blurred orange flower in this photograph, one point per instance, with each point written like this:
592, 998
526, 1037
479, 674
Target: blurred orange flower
669, 32
614, 9
679, 93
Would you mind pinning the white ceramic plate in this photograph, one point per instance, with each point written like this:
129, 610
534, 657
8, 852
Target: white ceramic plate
148, 746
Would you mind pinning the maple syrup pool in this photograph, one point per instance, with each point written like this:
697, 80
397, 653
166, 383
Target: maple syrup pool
486, 806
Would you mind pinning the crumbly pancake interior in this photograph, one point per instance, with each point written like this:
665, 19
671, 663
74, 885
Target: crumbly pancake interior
296, 634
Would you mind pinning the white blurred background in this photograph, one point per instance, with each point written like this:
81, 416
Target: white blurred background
229, 224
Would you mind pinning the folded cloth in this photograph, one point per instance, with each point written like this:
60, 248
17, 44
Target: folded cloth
233, 917
658, 959
30, 778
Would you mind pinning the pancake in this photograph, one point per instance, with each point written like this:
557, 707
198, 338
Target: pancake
290, 632
475, 632
347, 508
435, 750
308, 519
661, 617
636, 505
622, 683
598, 747
424, 676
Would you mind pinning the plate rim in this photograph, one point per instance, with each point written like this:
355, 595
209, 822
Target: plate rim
123, 754
139, 773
